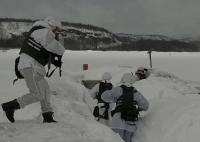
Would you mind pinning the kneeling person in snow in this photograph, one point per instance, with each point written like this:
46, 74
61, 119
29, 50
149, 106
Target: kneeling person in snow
103, 109
128, 104
39, 49
141, 73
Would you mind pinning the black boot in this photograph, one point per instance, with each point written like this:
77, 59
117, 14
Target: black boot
48, 117
10, 108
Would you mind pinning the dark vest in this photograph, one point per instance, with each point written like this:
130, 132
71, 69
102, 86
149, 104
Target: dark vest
35, 49
126, 104
102, 88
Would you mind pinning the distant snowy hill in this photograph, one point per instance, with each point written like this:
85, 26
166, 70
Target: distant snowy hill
16, 28
182, 38
135, 37
85, 37
77, 36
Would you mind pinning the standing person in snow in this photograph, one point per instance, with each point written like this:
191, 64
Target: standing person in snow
103, 110
128, 104
39, 49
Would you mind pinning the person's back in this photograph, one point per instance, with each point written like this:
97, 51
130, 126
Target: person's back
102, 111
125, 128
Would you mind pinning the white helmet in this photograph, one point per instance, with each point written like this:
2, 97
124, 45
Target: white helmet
144, 70
141, 68
106, 76
127, 78
53, 22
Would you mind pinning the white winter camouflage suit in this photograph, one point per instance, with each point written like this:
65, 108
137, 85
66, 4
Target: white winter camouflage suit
117, 124
34, 72
105, 78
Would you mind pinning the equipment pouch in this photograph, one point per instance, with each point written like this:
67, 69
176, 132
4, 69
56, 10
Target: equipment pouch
96, 111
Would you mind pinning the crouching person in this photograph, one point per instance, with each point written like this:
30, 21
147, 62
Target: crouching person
128, 104
141, 73
102, 111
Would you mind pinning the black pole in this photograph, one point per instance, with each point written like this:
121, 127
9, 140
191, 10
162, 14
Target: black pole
149, 52
150, 60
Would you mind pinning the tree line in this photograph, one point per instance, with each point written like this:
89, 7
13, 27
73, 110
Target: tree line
94, 44
157, 45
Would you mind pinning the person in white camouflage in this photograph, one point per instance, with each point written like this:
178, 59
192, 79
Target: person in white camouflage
128, 104
39, 49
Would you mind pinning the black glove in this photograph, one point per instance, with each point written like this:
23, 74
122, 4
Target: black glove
141, 75
57, 63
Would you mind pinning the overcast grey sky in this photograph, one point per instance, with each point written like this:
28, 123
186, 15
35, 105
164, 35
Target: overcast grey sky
164, 17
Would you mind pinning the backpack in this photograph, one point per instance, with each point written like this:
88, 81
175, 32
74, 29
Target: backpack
105, 113
126, 105
102, 88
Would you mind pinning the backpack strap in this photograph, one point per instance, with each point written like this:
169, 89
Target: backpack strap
49, 75
29, 34
15, 80
17, 72
51, 59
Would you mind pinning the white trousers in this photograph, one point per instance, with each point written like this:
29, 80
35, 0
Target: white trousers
39, 90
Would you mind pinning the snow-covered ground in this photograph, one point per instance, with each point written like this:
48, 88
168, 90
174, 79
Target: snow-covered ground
172, 90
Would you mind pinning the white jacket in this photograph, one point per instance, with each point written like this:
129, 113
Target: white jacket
112, 96
47, 39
